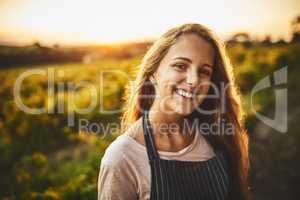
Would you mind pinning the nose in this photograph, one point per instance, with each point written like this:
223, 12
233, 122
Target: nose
192, 77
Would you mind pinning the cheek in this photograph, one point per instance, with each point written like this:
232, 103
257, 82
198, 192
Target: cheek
168, 81
203, 91
167, 89
204, 86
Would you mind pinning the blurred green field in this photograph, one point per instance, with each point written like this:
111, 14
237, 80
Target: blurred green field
41, 157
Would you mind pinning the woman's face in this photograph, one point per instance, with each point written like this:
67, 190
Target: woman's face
183, 76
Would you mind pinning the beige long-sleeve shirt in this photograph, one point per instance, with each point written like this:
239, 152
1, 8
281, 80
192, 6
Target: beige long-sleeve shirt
125, 170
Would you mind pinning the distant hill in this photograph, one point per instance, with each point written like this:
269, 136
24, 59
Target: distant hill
11, 56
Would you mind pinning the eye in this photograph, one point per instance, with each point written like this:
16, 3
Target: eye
204, 71
180, 66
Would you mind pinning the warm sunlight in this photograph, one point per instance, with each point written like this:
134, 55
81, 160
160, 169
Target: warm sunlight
94, 99
94, 21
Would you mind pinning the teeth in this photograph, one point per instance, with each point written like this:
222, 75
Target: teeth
184, 93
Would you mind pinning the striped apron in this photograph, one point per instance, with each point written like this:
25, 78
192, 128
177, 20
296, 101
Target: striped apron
185, 180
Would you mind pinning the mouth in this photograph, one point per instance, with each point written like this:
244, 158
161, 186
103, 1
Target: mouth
185, 94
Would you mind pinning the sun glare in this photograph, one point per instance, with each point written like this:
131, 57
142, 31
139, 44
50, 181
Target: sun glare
95, 21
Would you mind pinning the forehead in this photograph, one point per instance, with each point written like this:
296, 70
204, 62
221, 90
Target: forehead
193, 47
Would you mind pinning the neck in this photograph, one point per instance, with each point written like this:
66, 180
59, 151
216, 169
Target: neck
168, 130
164, 116
166, 122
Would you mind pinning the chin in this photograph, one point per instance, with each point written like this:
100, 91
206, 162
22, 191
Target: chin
183, 111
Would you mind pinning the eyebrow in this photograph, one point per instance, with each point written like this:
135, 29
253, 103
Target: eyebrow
189, 60
183, 58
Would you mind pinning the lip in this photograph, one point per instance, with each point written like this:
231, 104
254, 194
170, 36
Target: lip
186, 89
194, 92
184, 97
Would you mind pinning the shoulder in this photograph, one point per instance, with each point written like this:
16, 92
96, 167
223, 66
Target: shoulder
124, 149
117, 177
115, 153
135, 131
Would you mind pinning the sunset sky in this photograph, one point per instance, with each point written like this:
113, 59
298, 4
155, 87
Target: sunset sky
98, 21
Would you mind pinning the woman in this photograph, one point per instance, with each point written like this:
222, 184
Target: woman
184, 81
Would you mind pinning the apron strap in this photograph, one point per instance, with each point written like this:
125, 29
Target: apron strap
150, 144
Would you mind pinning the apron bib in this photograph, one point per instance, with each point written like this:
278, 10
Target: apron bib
185, 180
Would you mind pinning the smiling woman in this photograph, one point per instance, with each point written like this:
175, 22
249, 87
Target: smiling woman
188, 74
180, 82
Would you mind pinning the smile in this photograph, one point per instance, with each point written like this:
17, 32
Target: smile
184, 93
